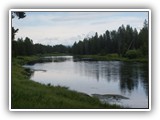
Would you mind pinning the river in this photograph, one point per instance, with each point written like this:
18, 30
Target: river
103, 79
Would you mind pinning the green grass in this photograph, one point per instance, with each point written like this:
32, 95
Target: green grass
112, 57
53, 54
27, 94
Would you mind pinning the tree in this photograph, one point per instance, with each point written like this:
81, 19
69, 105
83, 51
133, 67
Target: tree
21, 47
135, 39
121, 38
124, 41
128, 38
143, 38
86, 46
20, 15
114, 41
29, 46
74, 48
108, 42
14, 31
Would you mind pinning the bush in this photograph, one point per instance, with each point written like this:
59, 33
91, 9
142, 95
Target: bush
131, 54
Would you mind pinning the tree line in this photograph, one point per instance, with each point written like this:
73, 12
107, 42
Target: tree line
23, 47
126, 41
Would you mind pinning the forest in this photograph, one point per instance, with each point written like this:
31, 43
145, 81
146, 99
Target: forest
125, 42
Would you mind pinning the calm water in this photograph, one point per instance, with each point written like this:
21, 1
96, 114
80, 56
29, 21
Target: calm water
97, 77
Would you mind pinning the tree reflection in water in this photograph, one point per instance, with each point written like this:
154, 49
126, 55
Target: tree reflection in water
129, 74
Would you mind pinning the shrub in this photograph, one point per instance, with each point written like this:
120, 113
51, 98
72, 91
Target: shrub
131, 54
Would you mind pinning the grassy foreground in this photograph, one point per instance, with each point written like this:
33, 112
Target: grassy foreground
27, 94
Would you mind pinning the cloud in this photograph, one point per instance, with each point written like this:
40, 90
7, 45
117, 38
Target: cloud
68, 27
98, 23
79, 16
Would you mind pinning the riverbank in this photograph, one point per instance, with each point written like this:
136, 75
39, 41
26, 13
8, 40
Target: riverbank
27, 94
110, 57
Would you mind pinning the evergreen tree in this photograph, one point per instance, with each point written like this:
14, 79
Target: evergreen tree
143, 37
126, 42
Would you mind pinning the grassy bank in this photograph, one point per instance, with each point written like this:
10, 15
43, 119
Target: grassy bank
112, 57
27, 94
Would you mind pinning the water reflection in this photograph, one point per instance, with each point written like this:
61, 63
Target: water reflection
127, 74
57, 58
98, 69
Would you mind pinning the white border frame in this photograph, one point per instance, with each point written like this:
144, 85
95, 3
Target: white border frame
81, 10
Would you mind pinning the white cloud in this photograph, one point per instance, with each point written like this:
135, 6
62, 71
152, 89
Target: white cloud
73, 26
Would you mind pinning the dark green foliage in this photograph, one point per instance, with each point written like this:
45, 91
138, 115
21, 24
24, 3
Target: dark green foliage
132, 54
143, 38
14, 31
26, 47
20, 15
112, 57
121, 42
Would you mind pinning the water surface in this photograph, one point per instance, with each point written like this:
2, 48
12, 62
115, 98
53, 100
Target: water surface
97, 77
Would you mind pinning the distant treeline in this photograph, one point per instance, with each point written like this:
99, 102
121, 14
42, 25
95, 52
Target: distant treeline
126, 41
26, 47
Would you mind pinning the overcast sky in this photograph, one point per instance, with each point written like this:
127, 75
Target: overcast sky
51, 28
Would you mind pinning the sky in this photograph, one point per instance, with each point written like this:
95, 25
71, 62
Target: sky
52, 28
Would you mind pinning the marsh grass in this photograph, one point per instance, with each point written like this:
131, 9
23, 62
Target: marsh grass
27, 94
112, 57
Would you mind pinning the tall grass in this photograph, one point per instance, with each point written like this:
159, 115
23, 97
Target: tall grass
112, 57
